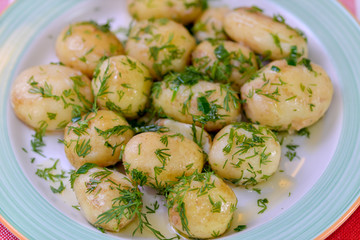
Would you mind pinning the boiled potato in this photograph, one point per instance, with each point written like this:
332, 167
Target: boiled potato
286, 97
95, 191
225, 61
161, 44
201, 206
245, 154
96, 138
50, 95
195, 133
263, 34
211, 104
122, 85
210, 25
81, 45
182, 11
162, 157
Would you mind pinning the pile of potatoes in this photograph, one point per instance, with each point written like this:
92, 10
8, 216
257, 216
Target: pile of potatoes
193, 86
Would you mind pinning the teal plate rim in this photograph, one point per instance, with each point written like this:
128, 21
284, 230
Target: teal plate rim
316, 214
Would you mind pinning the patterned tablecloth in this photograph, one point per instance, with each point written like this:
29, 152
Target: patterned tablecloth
350, 230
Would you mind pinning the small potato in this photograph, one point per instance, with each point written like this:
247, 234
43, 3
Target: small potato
210, 25
161, 44
212, 104
189, 131
182, 11
263, 34
122, 85
201, 206
50, 96
95, 191
225, 61
96, 138
286, 97
162, 157
81, 45
245, 154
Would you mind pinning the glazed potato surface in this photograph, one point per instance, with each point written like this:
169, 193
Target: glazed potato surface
201, 206
49, 96
286, 97
264, 35
162, 157
95, 191
182, 11
245, 154
123, 85
81, 45
96, 138
238, 61
161, 44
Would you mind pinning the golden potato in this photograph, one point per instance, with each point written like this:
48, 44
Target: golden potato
286, 97
161, 44
245, 154
212, 104
122, 85
96, 138
95, 189
50, 95
201, 206
225, 61
192, 132
210, 25
81, 45
182, 11
162, 157
264, 35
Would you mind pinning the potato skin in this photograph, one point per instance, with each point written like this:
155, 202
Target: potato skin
180, 156
36, 96
128, 83
210, 25
231, 154
299, 100
182, 11
161, 44
186, 130
174, 108
203, 218
81, 45
262, 34
100, 153
95, 196
241, 60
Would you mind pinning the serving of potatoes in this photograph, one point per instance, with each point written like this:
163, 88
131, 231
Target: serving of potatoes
189, 110
81, 45
161, 44
50, 95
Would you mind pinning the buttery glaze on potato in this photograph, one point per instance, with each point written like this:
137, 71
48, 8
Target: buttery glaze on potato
96, 138
207, 205
49, 95
127, 83
238, 60
161, 44
185, 104
95, 195
162, 157
245, 154
263, 34
197, 135
182, 11
286, 97
210, 25
81, 45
